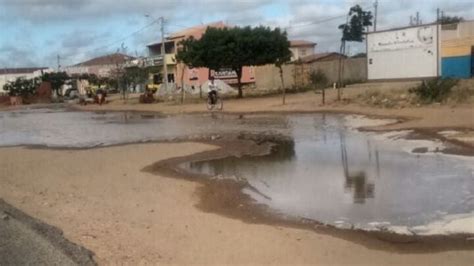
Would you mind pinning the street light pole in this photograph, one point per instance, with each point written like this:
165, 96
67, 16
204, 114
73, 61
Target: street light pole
163, 54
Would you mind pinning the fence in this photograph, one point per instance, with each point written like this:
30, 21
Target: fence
268, 77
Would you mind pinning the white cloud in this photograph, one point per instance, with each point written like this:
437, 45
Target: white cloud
76, 28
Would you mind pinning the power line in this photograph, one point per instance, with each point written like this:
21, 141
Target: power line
118, 40
321, 21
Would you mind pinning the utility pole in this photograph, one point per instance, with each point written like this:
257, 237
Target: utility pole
376, 4
59, 63
163, 54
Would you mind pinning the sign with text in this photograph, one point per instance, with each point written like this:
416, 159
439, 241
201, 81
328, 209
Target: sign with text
224, 73
409, 38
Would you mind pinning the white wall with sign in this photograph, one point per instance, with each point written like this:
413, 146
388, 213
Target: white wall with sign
404, 53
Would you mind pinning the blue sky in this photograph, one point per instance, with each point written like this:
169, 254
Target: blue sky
34, 32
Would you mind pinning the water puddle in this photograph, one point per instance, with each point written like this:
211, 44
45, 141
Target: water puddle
328, 172
336, 175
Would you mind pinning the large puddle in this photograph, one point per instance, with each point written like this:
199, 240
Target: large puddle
328, 172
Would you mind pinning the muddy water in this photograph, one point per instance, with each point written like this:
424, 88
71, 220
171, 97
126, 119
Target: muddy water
61, 128
337, 175
328, 172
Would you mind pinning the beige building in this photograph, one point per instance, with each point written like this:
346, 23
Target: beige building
301, 48
101, 66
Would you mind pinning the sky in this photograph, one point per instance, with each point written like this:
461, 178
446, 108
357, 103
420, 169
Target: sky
35, 32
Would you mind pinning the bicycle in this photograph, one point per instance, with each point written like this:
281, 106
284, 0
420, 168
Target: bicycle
214, 102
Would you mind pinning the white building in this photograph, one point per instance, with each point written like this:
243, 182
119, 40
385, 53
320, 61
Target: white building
301, 48
11, 74
403, 53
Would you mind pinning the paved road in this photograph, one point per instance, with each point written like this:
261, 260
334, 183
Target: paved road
27, 241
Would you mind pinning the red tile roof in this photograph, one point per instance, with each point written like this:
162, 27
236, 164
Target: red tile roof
197, 31
21, 70
110, 59
299, 43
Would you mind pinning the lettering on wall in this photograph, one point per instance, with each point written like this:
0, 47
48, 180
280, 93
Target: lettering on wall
420, 37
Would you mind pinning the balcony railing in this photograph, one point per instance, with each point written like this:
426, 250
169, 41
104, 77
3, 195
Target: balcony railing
157, 60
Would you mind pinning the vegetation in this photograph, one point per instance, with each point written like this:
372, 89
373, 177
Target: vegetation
359, 55
450, 20
133, 76
357, 22
235, 48
319, 80
435, 90
353, 30
21, 87
57, 80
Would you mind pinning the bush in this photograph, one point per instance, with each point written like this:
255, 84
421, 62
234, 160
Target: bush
435, 90
318, 79
21, 87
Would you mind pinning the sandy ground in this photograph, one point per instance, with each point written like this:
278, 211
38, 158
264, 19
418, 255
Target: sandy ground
102, 200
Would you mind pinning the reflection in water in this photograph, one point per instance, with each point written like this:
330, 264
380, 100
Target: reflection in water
355, 181
329, 173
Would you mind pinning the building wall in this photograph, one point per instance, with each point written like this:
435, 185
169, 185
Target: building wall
456, 50
404, 53
268, 77
299, 52
4, 79
198, 76
99, 70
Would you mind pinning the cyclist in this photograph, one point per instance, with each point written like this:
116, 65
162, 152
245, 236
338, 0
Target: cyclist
212, 90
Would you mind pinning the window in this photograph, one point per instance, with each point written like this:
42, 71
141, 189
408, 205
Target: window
303, 52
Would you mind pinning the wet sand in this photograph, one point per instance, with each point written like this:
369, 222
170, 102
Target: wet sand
104, 200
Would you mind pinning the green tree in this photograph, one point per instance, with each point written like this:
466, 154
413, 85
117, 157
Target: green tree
319, 80
135, 75
353, 30
450, 20
235, 48
21, 87
57, 80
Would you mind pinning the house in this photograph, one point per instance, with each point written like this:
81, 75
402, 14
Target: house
178, 71
11, 74
457, 50
301, 48
102, 66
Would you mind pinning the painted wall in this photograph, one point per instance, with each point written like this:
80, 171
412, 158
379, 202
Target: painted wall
404, 53
456, 50
456, 66
199, 76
